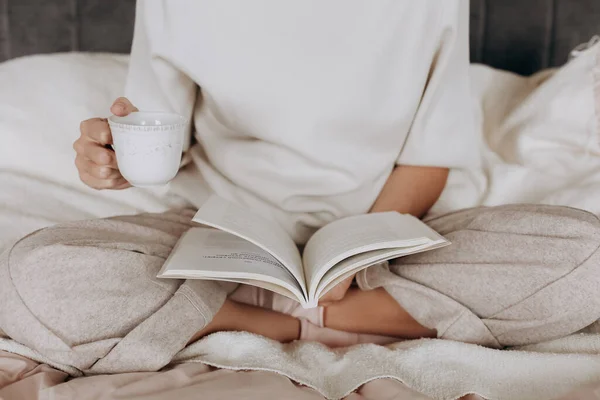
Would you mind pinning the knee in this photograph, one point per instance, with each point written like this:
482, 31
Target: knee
77, 285
536, 220
567, 298
539, 234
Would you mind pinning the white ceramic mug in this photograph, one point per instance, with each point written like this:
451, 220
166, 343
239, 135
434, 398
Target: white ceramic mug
148, 146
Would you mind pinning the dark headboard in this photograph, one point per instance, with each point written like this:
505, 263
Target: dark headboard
525, 36
522, 36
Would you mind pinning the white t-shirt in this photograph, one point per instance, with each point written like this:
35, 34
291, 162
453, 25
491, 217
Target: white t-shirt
301, 109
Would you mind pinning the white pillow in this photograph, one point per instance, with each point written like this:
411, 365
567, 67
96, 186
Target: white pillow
541, 138
553, 136
42, 101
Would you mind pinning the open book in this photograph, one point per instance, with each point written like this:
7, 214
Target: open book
250, 249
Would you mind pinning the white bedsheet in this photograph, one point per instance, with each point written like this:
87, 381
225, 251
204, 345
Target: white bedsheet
541, 145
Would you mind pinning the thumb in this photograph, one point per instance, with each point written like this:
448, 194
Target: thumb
122, 107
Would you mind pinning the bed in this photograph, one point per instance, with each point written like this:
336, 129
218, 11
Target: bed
539, 121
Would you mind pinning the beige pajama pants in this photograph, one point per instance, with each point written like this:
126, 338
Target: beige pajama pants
85, 293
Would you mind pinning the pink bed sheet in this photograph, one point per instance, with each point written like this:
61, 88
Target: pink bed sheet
23, 379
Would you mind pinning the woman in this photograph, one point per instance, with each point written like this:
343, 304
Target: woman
306, 112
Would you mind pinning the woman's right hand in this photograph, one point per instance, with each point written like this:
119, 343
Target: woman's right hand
95, 160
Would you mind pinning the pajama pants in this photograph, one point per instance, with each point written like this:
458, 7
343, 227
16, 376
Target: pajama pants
85, 294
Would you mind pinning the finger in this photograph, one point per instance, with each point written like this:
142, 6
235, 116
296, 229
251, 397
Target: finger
100, 184
341, 288
99, 155
338, 292
122, 107
95, 170
97, 130
122, 186
332, 296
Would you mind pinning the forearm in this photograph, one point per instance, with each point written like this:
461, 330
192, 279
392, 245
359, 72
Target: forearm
411, 190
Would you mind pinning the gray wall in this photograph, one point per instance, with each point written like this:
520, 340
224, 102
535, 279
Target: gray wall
44, 26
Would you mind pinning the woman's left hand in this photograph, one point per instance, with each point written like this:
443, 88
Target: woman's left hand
408, 190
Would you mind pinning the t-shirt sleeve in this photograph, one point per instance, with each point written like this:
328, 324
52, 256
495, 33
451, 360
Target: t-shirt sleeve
443, 132
154, 84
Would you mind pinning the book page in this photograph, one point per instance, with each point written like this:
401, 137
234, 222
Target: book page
356, 263
359, 234
207, 253
268, 235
